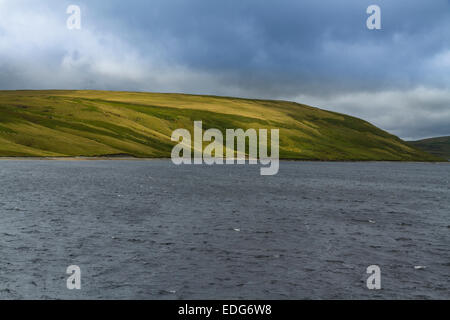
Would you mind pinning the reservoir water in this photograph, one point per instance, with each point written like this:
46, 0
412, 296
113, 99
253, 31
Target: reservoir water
153, 230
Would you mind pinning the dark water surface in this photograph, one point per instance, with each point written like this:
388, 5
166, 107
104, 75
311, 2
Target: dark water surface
152, 230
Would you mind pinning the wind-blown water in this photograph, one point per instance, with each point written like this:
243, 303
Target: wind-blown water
152, 230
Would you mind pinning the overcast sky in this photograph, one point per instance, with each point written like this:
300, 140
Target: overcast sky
314, 52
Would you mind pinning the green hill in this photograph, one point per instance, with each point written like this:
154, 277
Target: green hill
440, 146
95, 123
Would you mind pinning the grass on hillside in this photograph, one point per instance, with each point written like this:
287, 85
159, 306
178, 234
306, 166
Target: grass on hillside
96, 123
439, 147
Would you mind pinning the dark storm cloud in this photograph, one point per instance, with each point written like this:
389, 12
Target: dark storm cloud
317, 52
287, 46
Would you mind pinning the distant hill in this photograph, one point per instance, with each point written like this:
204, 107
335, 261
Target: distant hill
439, 146
96, 123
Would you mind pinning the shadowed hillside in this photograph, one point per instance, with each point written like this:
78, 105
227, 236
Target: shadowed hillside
95, 123
440, 146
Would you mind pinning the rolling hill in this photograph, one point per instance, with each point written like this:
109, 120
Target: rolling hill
98, 123
440, 146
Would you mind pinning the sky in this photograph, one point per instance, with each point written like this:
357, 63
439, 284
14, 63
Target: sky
319, 53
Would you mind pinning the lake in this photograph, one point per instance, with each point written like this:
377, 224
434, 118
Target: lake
153, 230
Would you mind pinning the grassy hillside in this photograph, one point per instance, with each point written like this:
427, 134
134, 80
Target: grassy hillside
94, 123
439, 146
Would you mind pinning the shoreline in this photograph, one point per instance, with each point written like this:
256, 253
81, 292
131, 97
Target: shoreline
129, 158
